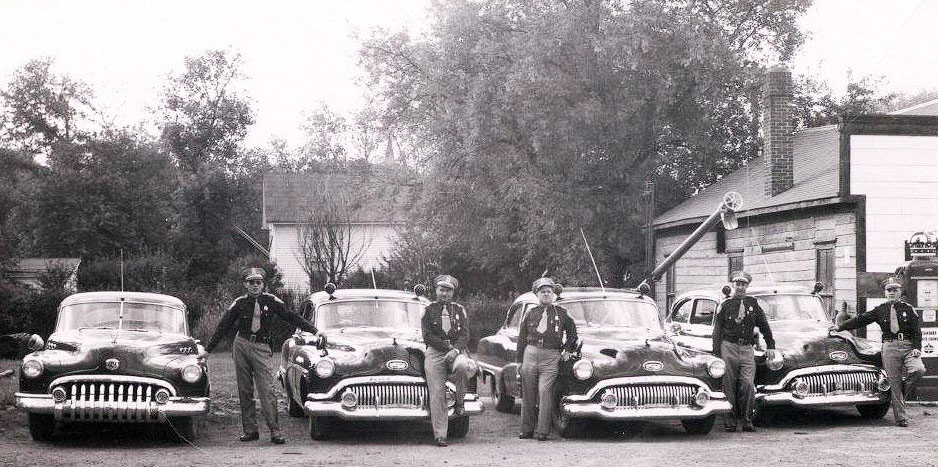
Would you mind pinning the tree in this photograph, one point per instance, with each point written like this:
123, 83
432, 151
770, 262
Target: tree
17, 182
331, 245
539, 118
817, 105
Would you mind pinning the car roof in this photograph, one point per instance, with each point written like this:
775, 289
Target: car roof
131, 297
715, 293
366, 294
570, 294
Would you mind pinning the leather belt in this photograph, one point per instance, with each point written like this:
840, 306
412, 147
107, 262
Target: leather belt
253, 337
896, 337
542, 344
738, 341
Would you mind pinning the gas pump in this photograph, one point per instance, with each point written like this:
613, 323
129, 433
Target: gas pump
919, 276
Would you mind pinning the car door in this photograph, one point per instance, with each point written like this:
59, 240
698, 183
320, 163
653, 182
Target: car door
510, 371
700, 325
678, 321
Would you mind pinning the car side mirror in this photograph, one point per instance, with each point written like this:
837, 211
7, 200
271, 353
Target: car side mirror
321, 342
726, 291
818, 287
36, 342
420, 290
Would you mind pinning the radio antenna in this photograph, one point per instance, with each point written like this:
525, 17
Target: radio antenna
601, 286
122, 269
374, 283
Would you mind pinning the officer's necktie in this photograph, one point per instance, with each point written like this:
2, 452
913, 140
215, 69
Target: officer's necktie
256, 321
447, 325
893, 320
742, 311
542, 324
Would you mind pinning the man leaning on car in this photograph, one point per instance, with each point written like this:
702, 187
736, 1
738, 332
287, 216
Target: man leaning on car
733, 339
252, 314
902, 344
446, 333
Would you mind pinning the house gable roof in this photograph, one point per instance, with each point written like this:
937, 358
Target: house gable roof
926, 108
816, 166
291, 198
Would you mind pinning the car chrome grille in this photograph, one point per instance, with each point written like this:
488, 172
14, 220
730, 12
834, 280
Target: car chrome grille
645, 396
854, 382
390, 395
122, 401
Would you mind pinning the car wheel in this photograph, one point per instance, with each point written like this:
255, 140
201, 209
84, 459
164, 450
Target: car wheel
41, 426
459, 427
294, 409
699, 426
567, 426
320, 427
873, 411
503, 402
183, 429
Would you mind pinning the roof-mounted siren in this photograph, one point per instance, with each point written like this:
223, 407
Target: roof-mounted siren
330, 289
725, 213
420, 289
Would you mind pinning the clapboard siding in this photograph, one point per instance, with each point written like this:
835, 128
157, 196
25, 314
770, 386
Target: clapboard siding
898, 175
794, 264
378, 241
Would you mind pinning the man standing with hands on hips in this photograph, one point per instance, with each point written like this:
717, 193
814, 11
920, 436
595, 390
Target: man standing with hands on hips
733, 338
446, 333
253, 313
902, 344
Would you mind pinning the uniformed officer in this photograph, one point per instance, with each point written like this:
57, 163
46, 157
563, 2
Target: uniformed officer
252, 314
902, 344
446, 333
547, 335
733, 338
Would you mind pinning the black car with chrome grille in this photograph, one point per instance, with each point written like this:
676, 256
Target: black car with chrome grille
813, 367
366, 366
626, 369
118, 357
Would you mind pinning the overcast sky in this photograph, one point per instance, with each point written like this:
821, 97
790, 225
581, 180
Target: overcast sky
300, 53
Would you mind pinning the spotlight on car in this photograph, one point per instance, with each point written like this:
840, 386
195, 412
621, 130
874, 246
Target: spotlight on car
32, 368
716, 368
702, 398
192, 373
161, 396
608, 401
330, 289
325, 368
583, 369
349, 399
59, 395
801, 389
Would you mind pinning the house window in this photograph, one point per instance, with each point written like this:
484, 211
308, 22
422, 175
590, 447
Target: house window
824, 273
734, 263
670, 288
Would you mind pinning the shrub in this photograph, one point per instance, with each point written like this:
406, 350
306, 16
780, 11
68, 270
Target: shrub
485, 315
23, 309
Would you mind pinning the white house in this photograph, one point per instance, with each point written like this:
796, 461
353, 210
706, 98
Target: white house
379, 211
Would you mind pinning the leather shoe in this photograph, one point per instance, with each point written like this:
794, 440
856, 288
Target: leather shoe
902, 423
441, 442
277, 439
525, 435
748, 427
541, 437
249, 437
730, 429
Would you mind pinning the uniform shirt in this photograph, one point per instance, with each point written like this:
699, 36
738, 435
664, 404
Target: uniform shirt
434, 329
241, 314
559, 331
909, 324
727, 327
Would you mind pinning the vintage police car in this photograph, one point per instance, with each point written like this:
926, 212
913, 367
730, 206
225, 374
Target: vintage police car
627, 369
368, 368
116, 357
814, 368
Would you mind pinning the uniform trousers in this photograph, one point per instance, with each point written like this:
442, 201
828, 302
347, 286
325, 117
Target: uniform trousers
438, 372
251, 361
539, 371
900, 364
738, 382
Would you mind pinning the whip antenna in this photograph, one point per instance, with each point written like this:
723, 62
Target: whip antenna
374, 283
122, 269
601, 286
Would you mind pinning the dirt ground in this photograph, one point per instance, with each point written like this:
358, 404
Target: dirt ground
826, 438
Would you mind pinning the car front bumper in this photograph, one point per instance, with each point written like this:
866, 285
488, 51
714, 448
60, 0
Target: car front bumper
842, 385
585, 406
472, 406
112, 411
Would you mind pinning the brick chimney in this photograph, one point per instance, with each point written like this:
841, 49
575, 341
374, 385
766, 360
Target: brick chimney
778, 127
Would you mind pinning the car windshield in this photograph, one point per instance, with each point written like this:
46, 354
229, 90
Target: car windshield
369, 313
602, 313
782, 307
136, 317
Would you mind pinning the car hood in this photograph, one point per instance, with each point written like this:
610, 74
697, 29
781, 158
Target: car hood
808, 343
625, 352
138, 353
367, 351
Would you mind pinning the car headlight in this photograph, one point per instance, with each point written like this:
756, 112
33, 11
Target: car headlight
325, 368
32, 368
583, 369
716, 368
192, 373
776, 363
